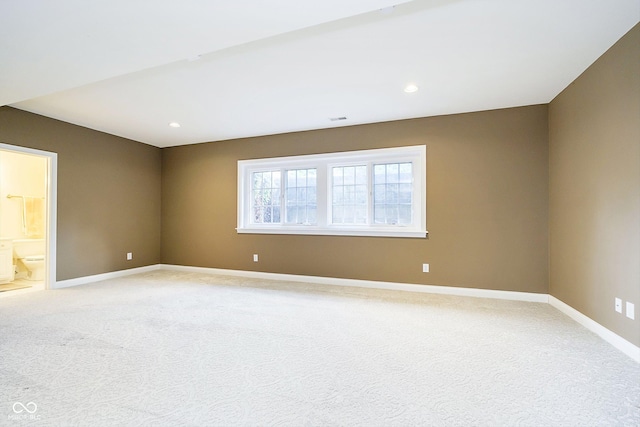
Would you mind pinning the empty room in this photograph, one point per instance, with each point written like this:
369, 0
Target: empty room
355, 213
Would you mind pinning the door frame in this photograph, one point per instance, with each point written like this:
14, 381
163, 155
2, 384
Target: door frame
51, 207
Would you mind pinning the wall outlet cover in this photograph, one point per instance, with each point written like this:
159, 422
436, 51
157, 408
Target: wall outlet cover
425, 268
618, 305
631, 310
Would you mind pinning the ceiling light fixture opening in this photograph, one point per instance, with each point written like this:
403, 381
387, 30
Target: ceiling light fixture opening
410, 88
174, 124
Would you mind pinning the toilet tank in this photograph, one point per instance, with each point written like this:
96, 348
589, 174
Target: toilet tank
28, 247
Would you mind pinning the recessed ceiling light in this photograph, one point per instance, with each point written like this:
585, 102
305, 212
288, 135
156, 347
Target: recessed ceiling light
174, 124
410, 88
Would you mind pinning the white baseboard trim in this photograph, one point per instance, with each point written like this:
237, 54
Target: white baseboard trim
104, 276
612, 338
430, 289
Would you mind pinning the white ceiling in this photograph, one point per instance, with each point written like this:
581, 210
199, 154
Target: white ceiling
126, 66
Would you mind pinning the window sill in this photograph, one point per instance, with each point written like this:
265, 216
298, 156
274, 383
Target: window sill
334, 231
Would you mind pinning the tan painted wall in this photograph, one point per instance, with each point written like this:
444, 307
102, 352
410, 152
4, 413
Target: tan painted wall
487, 205
108, 193
595, 189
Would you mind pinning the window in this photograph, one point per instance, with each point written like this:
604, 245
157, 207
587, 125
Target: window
300, 196
358, 193
349, 190
266, 197
392, 193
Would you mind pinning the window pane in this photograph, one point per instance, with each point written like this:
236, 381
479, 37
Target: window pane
350, 194
290, 196
257, 180
378, 193
311, 214
392, 172
338, 195
311, 178
361, 175
405, 193
265, 196
337, 176
257, 214
406, 172
378, 215
291, 179
393, 193
338, 217
391, 216
301, 196
361, 194
349, 214
291, 212
404, 214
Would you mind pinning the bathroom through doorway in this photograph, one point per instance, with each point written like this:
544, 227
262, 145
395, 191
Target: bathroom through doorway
27, 219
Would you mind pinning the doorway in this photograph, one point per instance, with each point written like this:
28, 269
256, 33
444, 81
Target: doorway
28, 200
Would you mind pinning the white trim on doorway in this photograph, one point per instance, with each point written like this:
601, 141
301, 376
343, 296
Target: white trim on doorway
52, 206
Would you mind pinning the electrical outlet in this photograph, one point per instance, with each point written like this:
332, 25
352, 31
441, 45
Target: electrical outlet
129, 256
255, 257
618, 305
425, 268
631, 312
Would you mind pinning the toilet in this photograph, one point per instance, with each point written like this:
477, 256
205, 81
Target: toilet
31, 254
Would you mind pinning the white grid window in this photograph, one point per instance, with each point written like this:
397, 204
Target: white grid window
392, 193
358, 193
300, 196
266, 197
350, 194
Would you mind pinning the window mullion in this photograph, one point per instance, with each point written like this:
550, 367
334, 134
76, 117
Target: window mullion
283, 213
322, 199
370, 193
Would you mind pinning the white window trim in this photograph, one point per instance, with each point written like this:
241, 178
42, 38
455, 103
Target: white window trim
323, 162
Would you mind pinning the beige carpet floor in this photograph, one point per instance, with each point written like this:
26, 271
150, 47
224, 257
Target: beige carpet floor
184, 349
